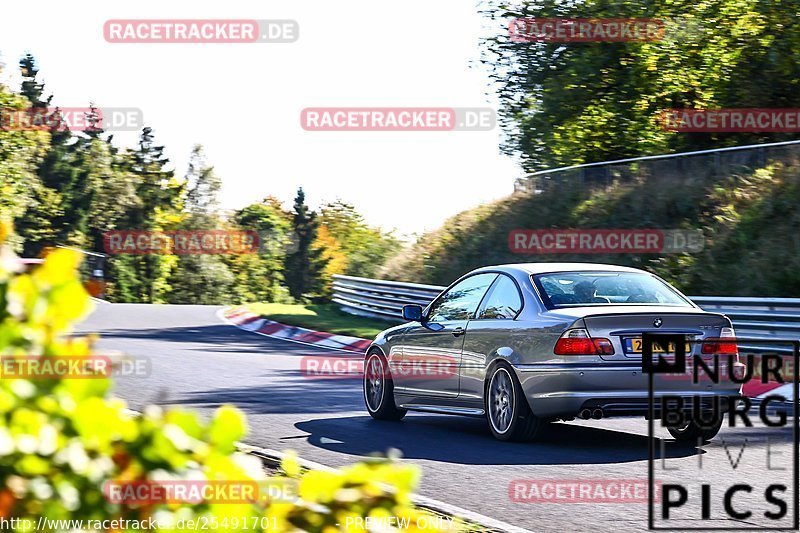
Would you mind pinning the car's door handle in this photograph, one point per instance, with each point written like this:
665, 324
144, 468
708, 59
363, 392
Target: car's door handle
458, 332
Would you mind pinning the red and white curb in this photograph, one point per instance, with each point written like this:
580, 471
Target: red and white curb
786, 390
249, 321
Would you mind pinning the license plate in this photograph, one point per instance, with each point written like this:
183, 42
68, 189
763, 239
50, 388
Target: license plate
634, 345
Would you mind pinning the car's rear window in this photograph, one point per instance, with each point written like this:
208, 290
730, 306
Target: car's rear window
571, 289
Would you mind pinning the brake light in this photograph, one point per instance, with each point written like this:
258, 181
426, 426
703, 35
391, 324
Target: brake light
725, 344
578, 342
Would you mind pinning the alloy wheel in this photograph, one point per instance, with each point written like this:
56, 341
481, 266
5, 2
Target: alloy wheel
374, 382
501, 400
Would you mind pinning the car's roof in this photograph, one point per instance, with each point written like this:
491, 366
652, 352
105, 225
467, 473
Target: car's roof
542, 268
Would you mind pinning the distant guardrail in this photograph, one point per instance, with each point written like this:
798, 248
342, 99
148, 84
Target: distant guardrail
379, 298
757, 318
731, 160
753, 318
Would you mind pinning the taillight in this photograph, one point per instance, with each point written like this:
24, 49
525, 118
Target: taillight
725, 344
578, 342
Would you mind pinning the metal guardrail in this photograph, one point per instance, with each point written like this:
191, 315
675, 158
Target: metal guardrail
380, 298
732, 160
767, 318
676, 155
757, 318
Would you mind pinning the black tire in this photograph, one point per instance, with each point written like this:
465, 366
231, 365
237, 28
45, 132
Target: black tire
379, 389
503, 394
693, 431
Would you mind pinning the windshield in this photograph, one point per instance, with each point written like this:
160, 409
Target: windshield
572, 289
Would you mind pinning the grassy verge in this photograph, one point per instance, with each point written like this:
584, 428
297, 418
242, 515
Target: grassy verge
326, 317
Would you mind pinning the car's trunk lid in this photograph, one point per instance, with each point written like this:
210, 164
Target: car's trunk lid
623, 329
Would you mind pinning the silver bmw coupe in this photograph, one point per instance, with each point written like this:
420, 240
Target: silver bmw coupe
526, 344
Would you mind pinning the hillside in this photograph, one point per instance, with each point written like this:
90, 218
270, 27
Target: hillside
744, 202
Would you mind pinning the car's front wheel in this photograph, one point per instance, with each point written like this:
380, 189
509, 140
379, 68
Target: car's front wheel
379, 389
510, 417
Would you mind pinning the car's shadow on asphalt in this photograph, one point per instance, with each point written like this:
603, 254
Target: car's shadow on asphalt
452, 439
284, 391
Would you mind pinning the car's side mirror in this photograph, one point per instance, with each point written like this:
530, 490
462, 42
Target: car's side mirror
412, 312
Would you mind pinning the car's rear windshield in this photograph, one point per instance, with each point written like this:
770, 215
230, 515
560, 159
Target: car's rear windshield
572, 289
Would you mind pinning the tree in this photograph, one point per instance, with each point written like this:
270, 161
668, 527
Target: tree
364, 248
260, 277
202, 190
20, 154
79, 194
31, 88
41, 223
156, 186
305, 266
159, 208
334, 256
202, 278
113, 190
564, 104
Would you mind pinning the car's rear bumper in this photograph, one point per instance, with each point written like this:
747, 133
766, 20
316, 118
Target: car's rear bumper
618, 389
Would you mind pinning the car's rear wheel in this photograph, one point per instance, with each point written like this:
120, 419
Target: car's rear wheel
379, 389
509, 415
693, 430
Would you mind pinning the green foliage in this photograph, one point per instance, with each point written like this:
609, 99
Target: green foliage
31, 88
304, 266
582, 102
202, 191
200, 279
69, 188
62, 440
747, 218
20, 151
350, 493
365, 248
260, 277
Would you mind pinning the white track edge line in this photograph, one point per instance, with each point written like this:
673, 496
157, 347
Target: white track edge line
436, 505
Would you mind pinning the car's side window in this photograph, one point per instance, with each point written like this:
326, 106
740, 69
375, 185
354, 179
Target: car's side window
460, 302
503, 300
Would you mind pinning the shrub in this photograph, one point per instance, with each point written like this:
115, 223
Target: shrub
63, 440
